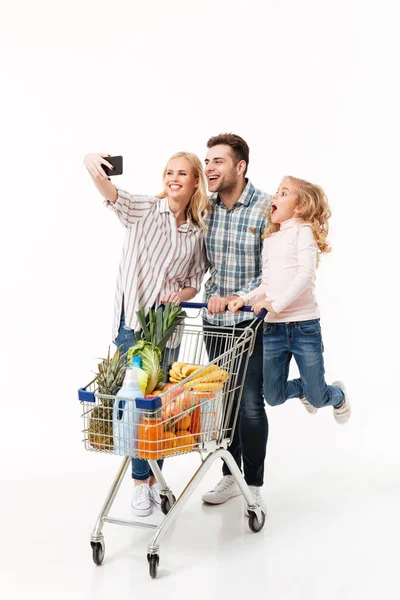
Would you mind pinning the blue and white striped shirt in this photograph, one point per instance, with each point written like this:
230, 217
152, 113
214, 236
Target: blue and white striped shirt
233, 242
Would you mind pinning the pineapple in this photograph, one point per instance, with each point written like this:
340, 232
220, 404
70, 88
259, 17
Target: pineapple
101, 428
109, 379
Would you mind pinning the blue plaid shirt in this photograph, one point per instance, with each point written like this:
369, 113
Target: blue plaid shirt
233, 242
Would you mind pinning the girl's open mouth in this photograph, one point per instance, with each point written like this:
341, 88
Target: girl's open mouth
273, 208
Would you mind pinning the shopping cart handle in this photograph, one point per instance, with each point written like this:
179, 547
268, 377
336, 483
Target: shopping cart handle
260, 315
85, 396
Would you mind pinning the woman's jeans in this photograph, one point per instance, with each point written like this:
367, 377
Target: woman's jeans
126, 339
303, 340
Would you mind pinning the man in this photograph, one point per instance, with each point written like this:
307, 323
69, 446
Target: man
233, 243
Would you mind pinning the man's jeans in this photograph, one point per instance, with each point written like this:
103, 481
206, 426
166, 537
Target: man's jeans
126, 339
251, 433
303, 340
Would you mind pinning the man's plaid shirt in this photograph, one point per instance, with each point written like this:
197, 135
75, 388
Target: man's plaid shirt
233, 242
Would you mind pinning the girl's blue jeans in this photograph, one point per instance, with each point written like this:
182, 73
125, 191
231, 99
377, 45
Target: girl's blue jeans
303, 341
126, 339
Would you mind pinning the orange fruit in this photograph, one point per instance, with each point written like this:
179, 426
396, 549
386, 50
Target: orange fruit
183, 423
184, 441
168, 443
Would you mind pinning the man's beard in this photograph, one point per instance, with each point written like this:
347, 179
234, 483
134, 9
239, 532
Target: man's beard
227, 185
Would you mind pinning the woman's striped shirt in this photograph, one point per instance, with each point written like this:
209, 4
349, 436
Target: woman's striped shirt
157, 256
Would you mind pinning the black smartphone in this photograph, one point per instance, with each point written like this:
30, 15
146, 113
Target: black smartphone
116, 162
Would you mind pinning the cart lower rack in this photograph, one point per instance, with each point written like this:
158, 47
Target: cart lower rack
198, 412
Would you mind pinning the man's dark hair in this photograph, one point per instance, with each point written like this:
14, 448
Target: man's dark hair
240, 149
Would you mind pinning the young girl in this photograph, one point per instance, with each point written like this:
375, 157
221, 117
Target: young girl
294, 239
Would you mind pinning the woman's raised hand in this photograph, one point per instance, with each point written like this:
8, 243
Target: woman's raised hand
94, 162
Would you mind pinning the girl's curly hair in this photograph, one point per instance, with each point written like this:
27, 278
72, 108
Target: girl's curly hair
314, 210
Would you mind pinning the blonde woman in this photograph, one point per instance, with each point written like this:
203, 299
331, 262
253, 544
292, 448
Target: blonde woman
162, 261
294, 239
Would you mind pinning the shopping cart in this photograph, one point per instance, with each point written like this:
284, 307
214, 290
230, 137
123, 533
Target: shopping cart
197, 413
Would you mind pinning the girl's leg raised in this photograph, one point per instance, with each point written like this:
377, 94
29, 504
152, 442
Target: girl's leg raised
307, 348
276, 360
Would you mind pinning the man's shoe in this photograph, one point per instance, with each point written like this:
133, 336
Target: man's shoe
258, 499
342, 413
309, 407
227, 488
155, 497
141, 505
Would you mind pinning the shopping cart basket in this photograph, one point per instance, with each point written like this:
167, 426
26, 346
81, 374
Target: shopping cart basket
198, 412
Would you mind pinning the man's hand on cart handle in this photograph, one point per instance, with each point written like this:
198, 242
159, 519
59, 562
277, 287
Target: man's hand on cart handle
219, 304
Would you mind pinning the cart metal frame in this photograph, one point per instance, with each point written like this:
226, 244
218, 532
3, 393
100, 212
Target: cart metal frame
238, 347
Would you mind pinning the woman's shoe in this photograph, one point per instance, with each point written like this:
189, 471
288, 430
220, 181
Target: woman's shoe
141, 504
155, 497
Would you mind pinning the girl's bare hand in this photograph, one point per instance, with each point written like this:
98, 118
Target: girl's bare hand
94, 162
260, 305
235, 305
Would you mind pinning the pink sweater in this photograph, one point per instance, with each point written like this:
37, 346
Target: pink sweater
289, 260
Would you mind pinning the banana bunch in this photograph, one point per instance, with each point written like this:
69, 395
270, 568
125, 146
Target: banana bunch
211, 379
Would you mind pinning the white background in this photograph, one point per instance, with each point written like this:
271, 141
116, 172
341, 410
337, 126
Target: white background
312, 87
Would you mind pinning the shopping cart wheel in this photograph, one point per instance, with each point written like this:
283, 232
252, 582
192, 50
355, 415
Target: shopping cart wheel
254, 524
153, 560
166, 505
98, 552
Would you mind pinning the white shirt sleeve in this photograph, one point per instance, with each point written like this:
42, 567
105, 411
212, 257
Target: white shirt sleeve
130, 209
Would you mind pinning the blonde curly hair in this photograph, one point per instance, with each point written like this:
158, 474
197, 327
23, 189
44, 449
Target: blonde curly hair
199, 204
314, 207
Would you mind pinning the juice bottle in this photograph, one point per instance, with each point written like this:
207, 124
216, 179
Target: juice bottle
151, 429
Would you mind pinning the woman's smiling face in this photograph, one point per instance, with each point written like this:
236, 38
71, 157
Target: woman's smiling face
180, 181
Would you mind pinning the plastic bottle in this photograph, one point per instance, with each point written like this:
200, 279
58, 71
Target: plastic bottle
151, 428
141, 375
125, 412
210, 415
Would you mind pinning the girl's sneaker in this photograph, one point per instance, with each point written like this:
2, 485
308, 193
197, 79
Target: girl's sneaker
342, 413
309, 407
141, 505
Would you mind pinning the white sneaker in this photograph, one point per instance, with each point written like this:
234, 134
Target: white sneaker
141, 505
342, 413
155, 496
258, 499
309, 407
227, 488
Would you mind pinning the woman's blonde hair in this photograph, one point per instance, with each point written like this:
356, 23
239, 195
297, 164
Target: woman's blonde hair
315, 210
199, 204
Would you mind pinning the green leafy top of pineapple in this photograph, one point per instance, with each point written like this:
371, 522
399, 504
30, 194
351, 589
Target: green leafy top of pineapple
110, 373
